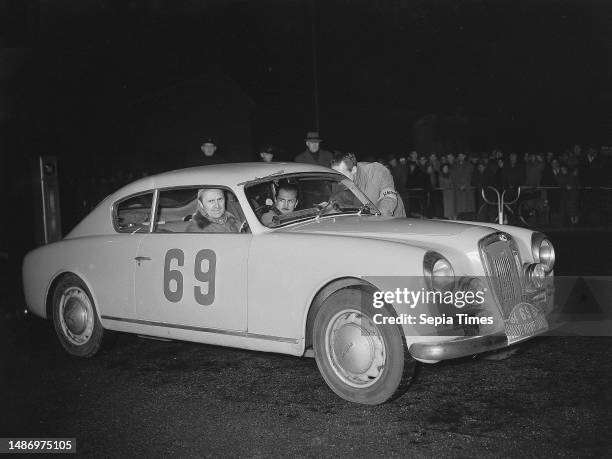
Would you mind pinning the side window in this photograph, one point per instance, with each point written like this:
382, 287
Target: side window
175, 209
199, 210
133, 214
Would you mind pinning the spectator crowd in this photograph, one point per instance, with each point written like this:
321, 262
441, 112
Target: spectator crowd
557, 188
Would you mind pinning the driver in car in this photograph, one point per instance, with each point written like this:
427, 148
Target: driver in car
285, 201
211, 215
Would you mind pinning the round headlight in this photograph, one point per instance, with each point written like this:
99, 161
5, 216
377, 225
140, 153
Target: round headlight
442, 268
543, 251
547, 255
439, 271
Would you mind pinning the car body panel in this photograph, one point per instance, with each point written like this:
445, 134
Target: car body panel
290, 273
105, 263
431, 234
194, 303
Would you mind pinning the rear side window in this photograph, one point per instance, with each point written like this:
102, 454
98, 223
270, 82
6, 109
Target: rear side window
134, 213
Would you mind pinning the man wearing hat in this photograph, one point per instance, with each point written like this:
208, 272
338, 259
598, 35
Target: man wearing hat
209, 148
266, 153
312, 154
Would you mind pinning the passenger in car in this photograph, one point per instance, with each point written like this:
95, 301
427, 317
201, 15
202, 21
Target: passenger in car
211, 215
285, 201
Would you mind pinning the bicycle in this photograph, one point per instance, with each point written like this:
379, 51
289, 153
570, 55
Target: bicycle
502, 205
526, 209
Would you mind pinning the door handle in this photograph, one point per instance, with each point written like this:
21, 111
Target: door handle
141, 259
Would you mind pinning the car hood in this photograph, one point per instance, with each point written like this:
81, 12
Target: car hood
422, 233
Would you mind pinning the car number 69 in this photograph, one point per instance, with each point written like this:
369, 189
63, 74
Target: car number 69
204, 272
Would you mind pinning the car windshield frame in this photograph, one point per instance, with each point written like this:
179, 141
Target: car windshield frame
313, 213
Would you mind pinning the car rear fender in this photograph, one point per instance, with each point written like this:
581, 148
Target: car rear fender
53, 284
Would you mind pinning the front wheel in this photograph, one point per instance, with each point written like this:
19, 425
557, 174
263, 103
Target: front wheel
360, 360
75, 318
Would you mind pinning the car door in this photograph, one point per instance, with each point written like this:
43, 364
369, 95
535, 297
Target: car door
109, 264
191, 280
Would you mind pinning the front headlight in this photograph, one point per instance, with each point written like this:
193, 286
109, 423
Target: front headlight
438, 271
543, 251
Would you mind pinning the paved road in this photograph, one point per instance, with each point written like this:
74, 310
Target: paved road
154, 398
151, 398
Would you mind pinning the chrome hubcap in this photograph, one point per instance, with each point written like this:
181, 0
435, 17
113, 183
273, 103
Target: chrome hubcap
76, 315
355, 348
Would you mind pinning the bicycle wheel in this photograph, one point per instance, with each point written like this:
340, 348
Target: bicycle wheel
485, 215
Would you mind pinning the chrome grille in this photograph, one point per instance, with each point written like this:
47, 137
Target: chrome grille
502, 262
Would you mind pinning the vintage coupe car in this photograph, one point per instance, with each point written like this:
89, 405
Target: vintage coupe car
305, 283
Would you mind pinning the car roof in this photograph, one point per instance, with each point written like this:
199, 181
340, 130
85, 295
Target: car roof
219, 174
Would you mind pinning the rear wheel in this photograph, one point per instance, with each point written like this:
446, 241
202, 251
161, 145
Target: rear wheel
75, 318
360, 360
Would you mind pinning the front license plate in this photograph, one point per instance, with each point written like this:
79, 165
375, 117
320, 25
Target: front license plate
524, 321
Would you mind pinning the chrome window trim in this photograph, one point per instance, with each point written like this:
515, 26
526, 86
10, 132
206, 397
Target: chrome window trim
154, 210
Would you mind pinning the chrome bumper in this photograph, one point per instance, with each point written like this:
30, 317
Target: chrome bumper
459, 347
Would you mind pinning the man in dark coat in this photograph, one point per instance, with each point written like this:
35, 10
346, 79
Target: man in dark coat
313, 154
209, 154
591, 169
461, 174
418, 186
482, 179
416, 177
551, 173
513, 174
593, 174
550, 178
534, 169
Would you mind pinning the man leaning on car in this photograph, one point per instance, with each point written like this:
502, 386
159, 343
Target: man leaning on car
211, 215
374, 180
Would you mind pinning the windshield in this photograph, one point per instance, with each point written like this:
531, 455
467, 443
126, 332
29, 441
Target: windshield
282, 200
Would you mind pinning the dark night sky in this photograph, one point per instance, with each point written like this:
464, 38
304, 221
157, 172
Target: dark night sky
532, 72
523, 73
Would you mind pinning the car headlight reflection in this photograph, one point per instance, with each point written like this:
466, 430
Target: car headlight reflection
543, 251
438, 271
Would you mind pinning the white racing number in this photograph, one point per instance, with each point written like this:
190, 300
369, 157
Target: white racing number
203, 271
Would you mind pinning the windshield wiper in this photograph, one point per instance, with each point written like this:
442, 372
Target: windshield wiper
365, 209
320, 211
